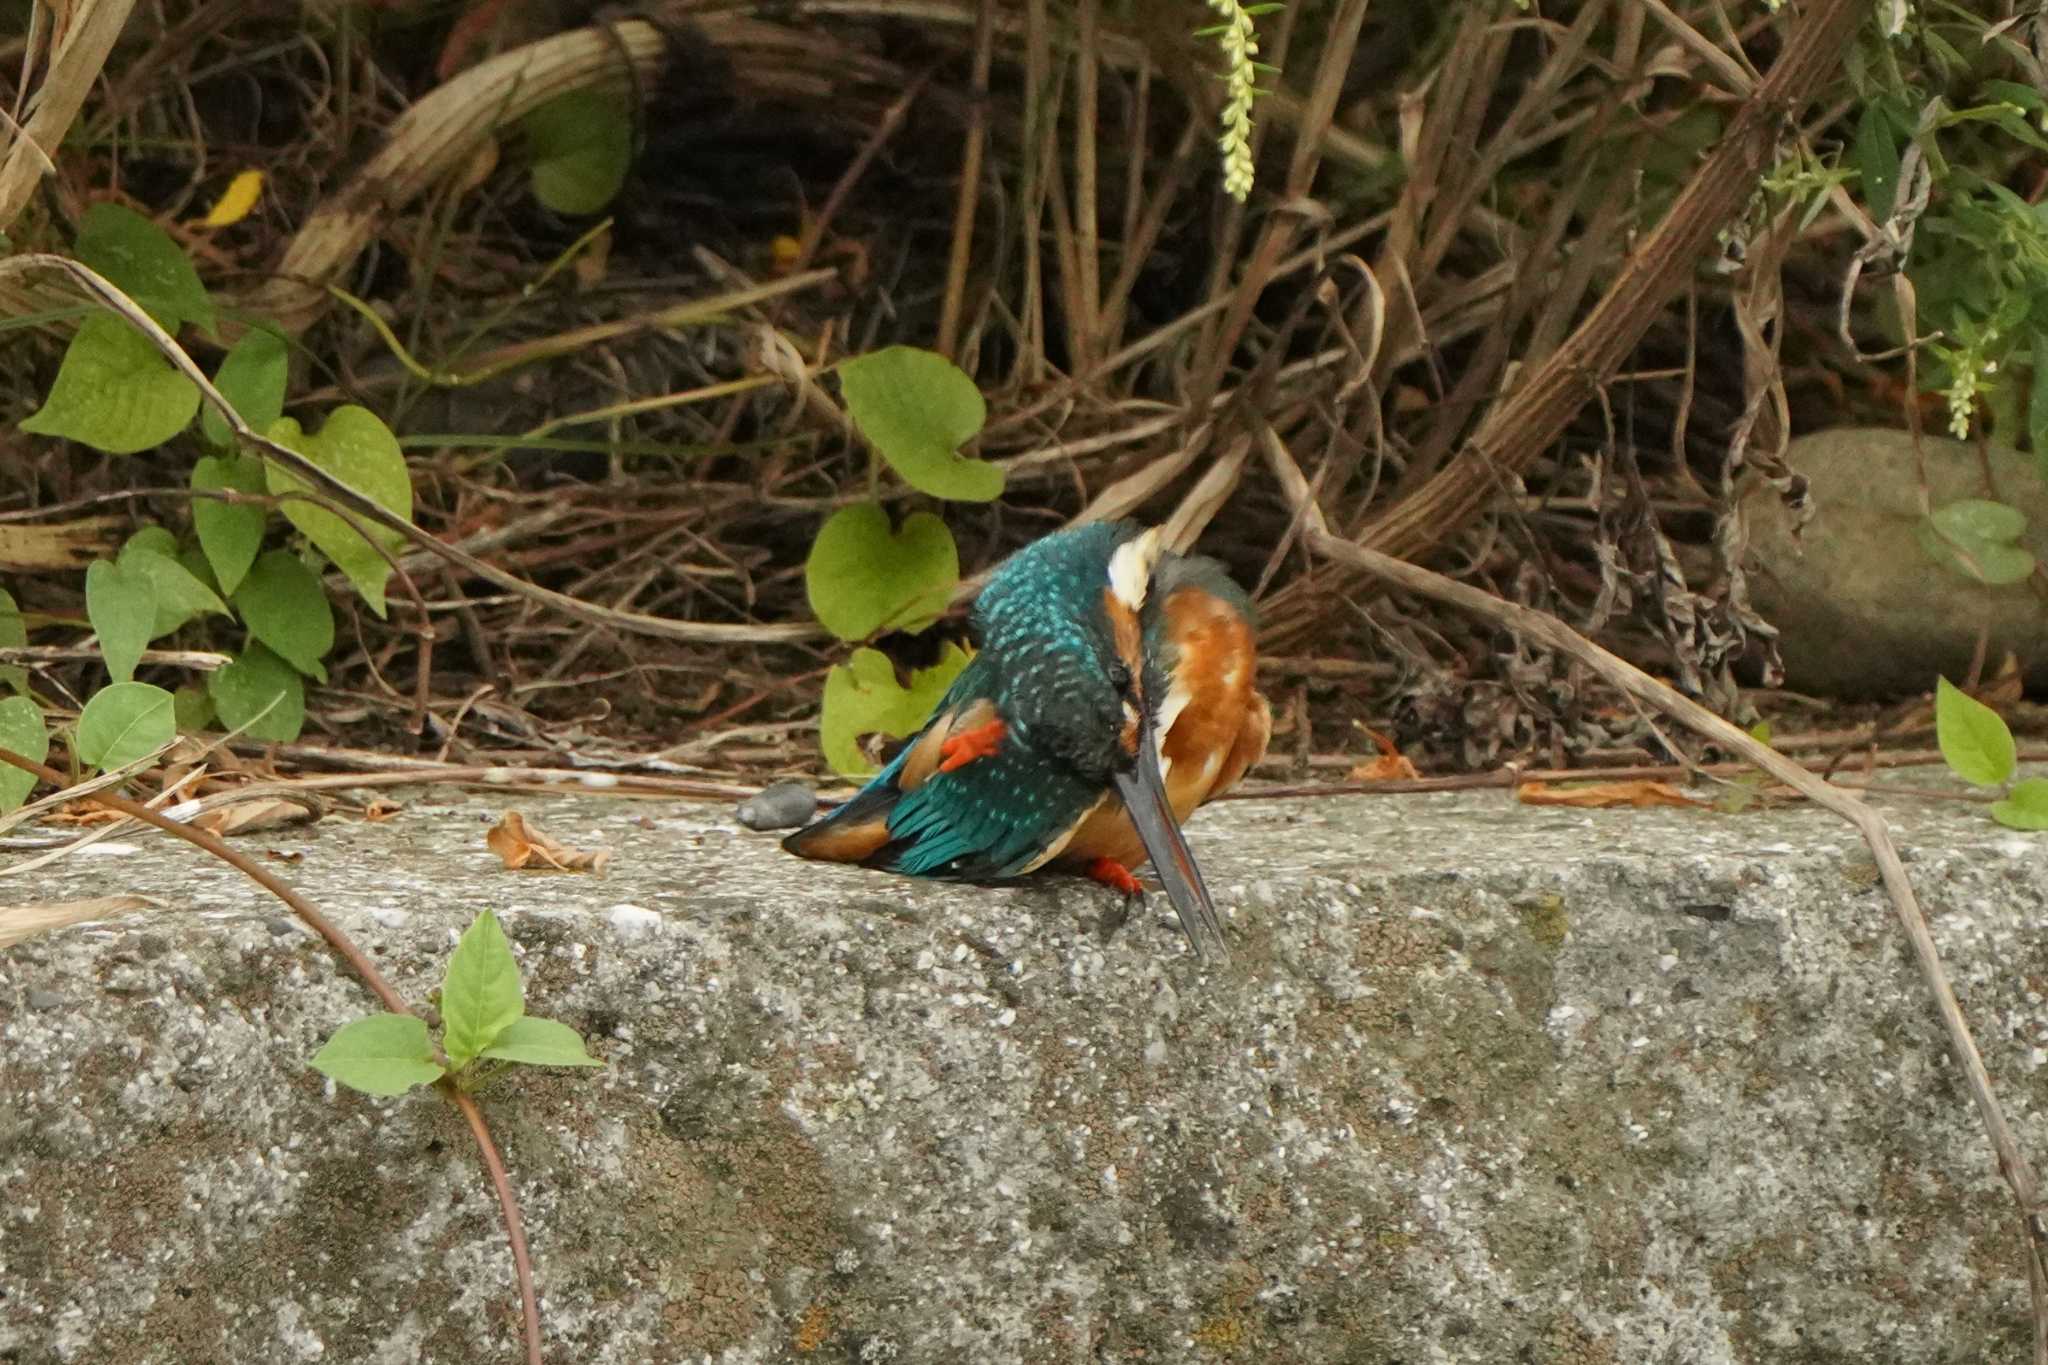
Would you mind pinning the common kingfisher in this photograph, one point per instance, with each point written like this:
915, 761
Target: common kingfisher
1112, 693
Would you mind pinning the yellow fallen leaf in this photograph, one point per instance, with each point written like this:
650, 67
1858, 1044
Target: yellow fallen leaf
235, 201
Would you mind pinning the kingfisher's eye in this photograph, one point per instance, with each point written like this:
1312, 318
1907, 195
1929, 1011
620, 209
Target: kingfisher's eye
1120, 676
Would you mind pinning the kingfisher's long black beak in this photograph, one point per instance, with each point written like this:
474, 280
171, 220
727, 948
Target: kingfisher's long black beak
1144, 796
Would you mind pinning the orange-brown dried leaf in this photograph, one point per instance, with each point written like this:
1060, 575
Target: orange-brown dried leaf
1391, 766
1601, 795
1385, 768
522, 845
381, 809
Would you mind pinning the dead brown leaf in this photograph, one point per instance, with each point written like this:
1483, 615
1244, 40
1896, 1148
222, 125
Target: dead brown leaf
246, 817
381, 809
523, 845
1602, 795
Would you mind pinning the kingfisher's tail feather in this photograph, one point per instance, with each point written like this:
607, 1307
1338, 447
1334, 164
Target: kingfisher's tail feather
857, 832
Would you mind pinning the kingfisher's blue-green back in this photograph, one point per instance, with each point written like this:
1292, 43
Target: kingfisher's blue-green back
1050, 669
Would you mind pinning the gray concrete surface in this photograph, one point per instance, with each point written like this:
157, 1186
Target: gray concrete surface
1483, 1083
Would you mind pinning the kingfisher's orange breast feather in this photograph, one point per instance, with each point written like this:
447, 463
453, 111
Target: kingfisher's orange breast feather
1217, 723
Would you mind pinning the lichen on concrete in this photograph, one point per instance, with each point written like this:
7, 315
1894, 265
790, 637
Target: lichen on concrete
1481, 1083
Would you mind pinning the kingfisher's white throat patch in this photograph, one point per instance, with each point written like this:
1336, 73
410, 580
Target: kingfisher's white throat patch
1130, 568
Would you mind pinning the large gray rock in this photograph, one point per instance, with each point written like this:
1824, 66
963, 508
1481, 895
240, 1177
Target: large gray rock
1864, 611
1484, 1083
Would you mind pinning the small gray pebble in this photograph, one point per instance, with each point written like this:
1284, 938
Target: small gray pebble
45, 1000
780, 805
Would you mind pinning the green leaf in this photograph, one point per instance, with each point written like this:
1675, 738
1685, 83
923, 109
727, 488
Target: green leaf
124, 723
384, 1054
113, 392
192, 708
861, 576
916, 408
287, 609
252, 378
120, 601
156, 539
149, 267
2037, 406
13, 633
260, 696
1976, 538
540, 1042
1875, 153
230, 533
582, 146
1973, 738
21, 730
481, 995
179, 595
359, 450
2026, 807
862, 697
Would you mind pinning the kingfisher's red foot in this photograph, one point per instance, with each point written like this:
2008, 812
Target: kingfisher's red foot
1115, 876
980, 742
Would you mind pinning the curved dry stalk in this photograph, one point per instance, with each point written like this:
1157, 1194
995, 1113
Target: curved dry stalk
1552, 633
360, 963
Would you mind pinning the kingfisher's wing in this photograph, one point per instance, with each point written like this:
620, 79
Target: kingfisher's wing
982, 812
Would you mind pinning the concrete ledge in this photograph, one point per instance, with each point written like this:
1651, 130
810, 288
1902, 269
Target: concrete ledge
1484, 1083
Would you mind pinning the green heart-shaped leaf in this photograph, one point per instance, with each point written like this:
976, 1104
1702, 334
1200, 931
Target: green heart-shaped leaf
120, 601
1974, 739
259, 695
142, 260
125, 723
582, 145
252, 378
114, 392
22, 730
230, 533
915, 408
1976, 537
862, 697
863, 577
359, 450
286, 608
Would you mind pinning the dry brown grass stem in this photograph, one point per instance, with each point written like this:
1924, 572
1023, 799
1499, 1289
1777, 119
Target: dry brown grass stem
83, 39
960, 254
1548, 632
